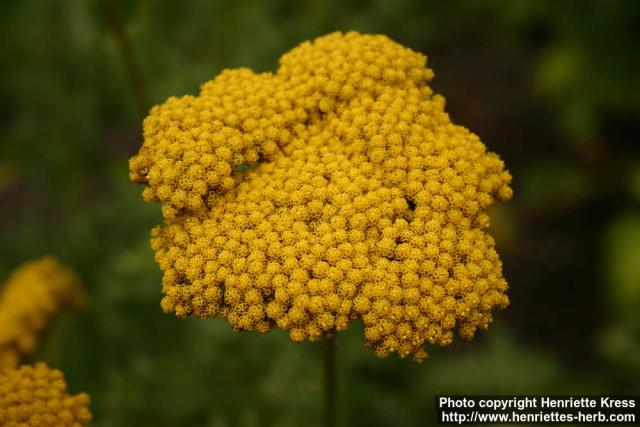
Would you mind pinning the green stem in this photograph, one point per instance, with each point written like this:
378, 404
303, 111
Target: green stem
134, 73
330, 381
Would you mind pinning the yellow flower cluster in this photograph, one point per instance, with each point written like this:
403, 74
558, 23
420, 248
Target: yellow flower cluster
360, 199
36, 396
32, 295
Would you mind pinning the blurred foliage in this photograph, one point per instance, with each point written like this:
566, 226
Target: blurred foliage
586, 67
551, 86
623, 241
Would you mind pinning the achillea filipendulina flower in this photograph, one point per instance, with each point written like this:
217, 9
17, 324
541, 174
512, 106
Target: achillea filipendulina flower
31, 296
36, 396
363, 200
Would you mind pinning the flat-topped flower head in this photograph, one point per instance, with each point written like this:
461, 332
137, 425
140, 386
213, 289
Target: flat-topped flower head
334, 189
29, 299
36, 396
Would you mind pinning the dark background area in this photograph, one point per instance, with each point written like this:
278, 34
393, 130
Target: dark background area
552, 86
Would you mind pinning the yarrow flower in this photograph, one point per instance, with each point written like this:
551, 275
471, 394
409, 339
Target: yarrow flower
30, 298
334, 189
36, 396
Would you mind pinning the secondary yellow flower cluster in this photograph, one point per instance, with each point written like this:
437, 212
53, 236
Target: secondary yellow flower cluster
32, 295
36, 396
358, 198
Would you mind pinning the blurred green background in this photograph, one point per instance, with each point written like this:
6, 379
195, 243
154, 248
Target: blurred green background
552, 86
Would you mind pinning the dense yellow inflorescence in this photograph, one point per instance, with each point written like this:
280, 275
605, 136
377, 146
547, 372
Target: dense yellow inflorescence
357, 198
31, 296
36, 396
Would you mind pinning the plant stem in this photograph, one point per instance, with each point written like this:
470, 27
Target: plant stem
330, 380
134, 73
